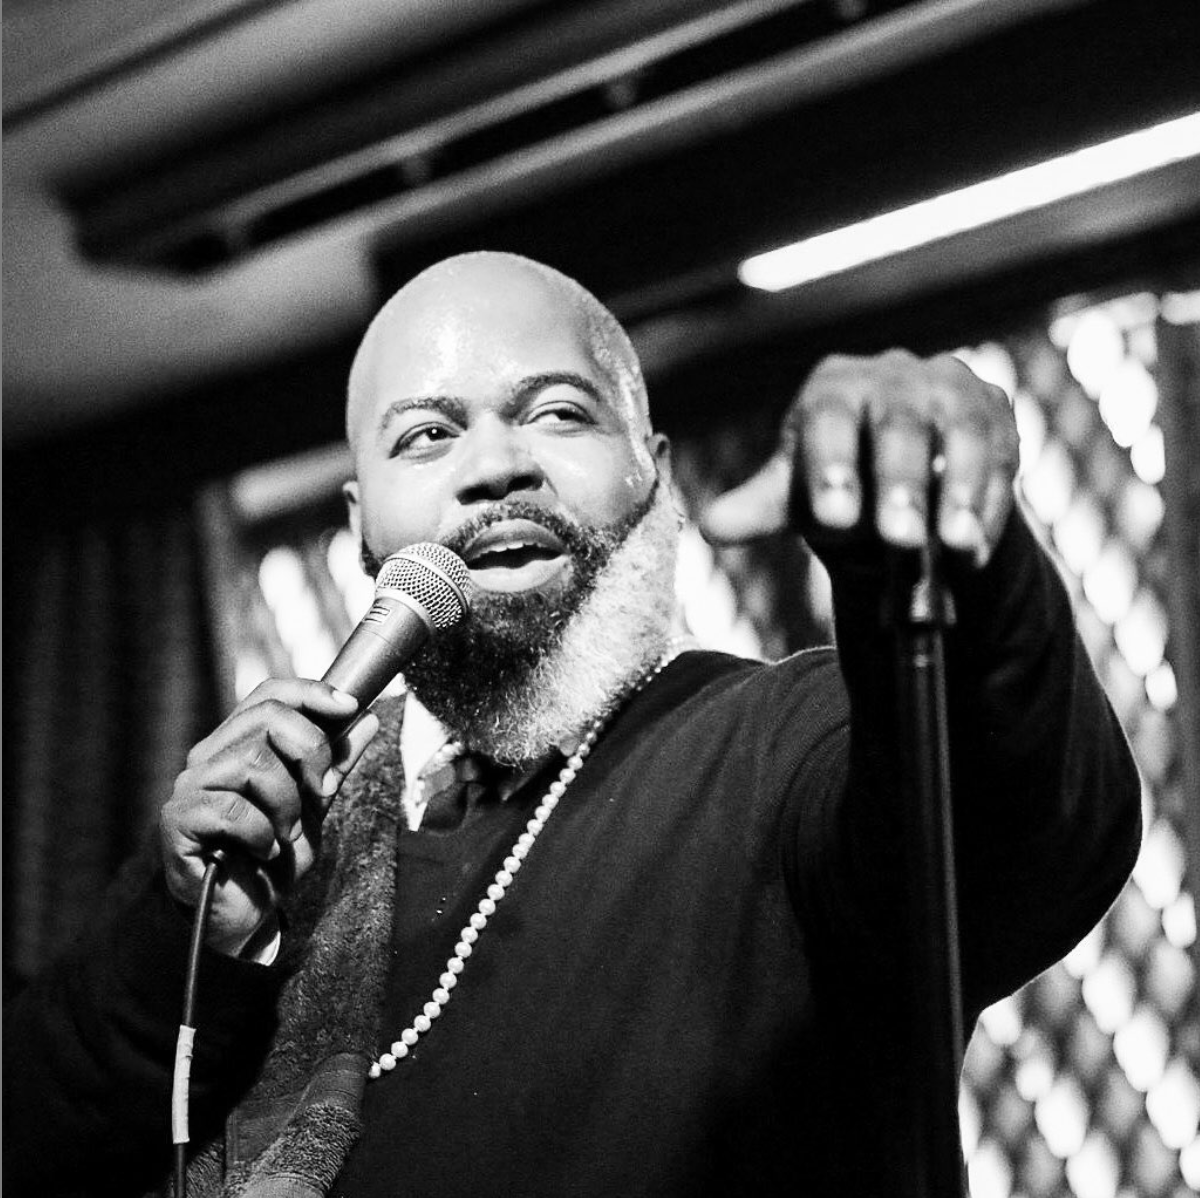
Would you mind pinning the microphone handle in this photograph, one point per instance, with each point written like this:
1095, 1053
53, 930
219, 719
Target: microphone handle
389, 635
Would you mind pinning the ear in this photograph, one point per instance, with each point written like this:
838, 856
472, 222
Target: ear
353, 510
659, 447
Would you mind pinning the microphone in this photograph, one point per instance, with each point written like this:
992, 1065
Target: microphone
420, 591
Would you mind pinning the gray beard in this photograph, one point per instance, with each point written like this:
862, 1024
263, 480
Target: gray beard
528, 673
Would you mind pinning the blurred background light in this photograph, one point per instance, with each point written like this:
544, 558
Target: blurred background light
1174, 1105
1110, 581
1062, 1116
1031, 428
1085, 956
1189, 1164
1050, 482
1160, 686
1095, 1170
1109, 991
1141, 633
1159, 869
1034, 1074
1002, 1021
1180, 307
988, 1172
1170, 977
345, 568
969, 1121
1179, 921
281, 577
1095, 350
1148, 456
1139, 513
298, 618
972, 207
709, 603
1128, 402
1079, 533
250, 670
1141, 1048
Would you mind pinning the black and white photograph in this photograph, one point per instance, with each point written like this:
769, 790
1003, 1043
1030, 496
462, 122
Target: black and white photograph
601, 599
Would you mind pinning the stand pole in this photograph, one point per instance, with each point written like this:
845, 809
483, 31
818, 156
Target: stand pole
935, 990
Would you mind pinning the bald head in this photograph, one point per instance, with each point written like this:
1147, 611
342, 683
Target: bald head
486, 285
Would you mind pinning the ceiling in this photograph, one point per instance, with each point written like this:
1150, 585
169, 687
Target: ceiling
208, 198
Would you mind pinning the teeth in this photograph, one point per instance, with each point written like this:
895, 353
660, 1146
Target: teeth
505, 547
494, 544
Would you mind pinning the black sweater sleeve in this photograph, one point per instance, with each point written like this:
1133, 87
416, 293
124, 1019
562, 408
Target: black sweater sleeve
89, 1051
1046, 796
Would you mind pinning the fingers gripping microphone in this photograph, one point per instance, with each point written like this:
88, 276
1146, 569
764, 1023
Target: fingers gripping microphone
420, 592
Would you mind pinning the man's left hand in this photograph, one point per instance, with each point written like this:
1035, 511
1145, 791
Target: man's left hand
859, 452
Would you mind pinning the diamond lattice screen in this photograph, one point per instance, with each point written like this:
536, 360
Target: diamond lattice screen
1085, 1082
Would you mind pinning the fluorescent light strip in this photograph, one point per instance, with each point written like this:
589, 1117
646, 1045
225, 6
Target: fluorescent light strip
972, 207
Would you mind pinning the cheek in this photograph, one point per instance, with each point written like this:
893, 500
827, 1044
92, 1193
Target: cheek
390, 519
632, 477
602, 486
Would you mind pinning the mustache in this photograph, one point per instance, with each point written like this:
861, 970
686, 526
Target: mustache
587, 544
574, 535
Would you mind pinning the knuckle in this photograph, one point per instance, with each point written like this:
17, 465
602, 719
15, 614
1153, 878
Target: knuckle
828, 398
260, 759
267, 710
230, 810
321, 758
313, 742
267, 689
951, 366
1009, 449
271, 707
838, 363
998, 397
832, 370
182, 793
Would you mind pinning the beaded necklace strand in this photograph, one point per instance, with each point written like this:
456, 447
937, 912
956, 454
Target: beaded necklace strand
400, 1048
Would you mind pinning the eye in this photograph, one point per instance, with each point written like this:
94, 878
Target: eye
422, 440
565, 412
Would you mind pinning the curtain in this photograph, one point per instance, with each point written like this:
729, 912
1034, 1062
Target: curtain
108, 681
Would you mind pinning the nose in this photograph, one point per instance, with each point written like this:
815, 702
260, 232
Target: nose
495, 462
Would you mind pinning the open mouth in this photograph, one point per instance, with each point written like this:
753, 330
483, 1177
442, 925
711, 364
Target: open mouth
514, 555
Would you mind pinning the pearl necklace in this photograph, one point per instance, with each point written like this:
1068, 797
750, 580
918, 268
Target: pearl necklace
400, 1048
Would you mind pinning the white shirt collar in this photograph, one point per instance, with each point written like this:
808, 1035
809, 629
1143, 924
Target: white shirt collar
421, 735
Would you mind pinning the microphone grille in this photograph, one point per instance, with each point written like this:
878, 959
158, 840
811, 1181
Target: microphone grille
434, 576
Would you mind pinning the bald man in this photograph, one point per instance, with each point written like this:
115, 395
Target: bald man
659, 955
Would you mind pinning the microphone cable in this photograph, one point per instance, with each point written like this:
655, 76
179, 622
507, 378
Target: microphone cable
420, 590
181, 1077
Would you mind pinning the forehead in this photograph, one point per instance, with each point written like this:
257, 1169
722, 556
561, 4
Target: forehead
472, 333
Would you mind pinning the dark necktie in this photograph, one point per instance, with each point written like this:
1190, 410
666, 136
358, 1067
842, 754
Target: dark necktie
454, 788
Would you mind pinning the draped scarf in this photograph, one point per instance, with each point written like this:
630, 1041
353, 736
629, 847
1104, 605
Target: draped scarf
291, 1133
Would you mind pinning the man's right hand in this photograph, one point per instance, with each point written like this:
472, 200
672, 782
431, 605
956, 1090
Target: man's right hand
258, 788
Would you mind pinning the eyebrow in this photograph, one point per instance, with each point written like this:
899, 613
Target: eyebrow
450, 407
457, 409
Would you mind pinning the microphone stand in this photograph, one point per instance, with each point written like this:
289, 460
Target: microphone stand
921, 611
